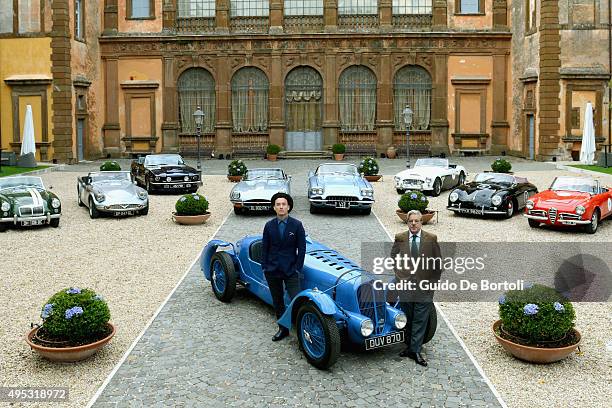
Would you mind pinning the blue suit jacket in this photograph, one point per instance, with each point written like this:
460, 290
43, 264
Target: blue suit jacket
283, 256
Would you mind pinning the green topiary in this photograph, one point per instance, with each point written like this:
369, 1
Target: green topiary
368, 166
537, 313
273, 149
110, 165
413, 200
338, 148
191, 204
236, 168
501, 166
74, 315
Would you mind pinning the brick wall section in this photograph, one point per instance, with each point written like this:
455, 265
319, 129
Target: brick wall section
550, 87
61, 107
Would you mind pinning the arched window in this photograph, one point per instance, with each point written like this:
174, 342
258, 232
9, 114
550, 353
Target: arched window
357, 99
303, 96
250, 89
412, 86
196, 87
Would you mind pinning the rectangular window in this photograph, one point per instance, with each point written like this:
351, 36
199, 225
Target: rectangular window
348, 7
78, 19
250, 8
196, 8
530, 15
29, 16
303, 7
575, 118
6, 19
469, 7
140, 8
402, 7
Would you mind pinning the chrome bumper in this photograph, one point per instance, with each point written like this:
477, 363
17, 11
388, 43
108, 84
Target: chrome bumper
476, 211
321, 202
414, 187
105, 208
557, 221
17, 219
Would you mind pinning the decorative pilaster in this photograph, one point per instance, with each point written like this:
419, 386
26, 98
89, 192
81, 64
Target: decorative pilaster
223, 143
169, 15
222, 16
384, 124
111, 20
111, 129
499, 124
500, 15
439, 103
169, 125
439, 11
385, 14
330, 15
276, 16
330, 108
277, 124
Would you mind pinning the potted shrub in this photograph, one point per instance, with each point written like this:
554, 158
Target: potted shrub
191, 209
110, 165
338, 150
272, 151
369, 168
414, 200
536, 324
235, 170
501, 166
75, 326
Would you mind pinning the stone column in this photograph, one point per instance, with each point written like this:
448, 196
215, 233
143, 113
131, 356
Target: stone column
169, 125
384, 108
439, 106
277, 124
385, 15
330, 15
111, 129
276, 16
111, 20
330, 105
439, 11
169, 13
499, 124
222, 16
223, 143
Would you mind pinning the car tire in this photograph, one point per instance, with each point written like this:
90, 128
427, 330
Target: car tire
3, 227
592, 227
510, 209
93, 211
432, 324
79, 202
223, 276
144, 211
461, 180
322, 351
533, 223
437, 188
366, 211
400, 191
313, 209
54, 222
238, 210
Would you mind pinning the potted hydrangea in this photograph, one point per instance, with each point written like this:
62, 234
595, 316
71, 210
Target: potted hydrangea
235, 170
75, 326
414, 200
191, 209
536, 324
501, 166
272, 151
110, 165
338, 150
369, 168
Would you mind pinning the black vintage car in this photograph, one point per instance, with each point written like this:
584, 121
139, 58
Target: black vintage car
491, 194
165, 172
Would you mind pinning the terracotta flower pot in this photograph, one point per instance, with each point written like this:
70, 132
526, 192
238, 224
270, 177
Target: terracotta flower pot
375, 177
234, 179
190, 219
539, 355
427, 216
272, 157
338, 157
69, 354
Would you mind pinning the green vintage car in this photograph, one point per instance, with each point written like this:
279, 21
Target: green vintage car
25, 201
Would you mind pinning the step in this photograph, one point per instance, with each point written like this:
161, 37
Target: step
304, 154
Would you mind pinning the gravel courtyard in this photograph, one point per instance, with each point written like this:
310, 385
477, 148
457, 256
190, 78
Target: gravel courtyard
135, 263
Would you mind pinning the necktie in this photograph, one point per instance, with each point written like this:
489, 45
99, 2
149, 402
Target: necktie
281, 228
414, 247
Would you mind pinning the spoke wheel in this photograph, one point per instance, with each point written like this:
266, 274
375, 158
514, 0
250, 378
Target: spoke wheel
510, 209
592, 227
223, 276
318, 336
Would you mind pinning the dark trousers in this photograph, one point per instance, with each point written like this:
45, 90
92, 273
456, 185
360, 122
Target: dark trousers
275, 283
417, 314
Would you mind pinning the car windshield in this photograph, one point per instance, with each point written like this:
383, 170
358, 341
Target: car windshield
164, 160
264, 174
585, 185
110, 176
24, 181
337, 169
494, 178
431, 162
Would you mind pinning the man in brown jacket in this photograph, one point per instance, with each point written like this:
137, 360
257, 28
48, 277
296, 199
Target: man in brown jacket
418, 301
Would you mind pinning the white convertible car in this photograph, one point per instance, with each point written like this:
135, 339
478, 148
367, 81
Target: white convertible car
430, 175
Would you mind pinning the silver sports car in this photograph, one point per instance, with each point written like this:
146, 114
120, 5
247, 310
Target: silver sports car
111, 192
257, 188
339, 185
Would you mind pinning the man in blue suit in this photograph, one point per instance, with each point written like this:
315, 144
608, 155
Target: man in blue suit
284, 248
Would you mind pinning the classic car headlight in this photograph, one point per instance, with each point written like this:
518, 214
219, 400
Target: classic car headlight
186, 178
157, 178
529, 204
316, 190
55, 203
99, 197
580, 210
235, 195
427, 180
5, 206
496, 200
453, 196
400, 321
367, 192
367, 327
195, 178
168, 179
142, 195
397, 179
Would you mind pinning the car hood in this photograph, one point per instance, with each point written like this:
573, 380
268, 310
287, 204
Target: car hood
421, 172
117, 188
20, 196
172, 170
337, 181
560, 199
482, 188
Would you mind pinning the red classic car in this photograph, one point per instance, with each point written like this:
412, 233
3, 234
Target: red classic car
571, 201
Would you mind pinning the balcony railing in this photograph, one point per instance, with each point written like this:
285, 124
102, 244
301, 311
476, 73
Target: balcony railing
188, 144
249, 24
249, 144
354, 22
195, 24
359, 143
412, 21
304, 24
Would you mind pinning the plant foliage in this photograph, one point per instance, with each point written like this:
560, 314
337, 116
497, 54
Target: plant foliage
338, 148
413, 200
501, 165
368, 166
273, 149
191, 204
110, 165
236, 168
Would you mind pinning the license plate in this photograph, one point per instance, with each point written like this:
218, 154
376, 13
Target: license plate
383, 341
342, 204
120, 213
471, 211
570, 222
260, 208
32, 222
174, 186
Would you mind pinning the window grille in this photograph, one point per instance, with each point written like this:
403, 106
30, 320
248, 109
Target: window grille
196, 87
303, 7
412, 86
249, 8
411, 7
357, 99
196, 8
250, 89
347, 7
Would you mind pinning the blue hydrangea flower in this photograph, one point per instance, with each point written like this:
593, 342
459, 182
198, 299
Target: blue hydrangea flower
196, 197
423, 198
183, 199
98, 297
47, 310
73, 291
530, 309
502, 299
73, 311
559, 307
413, 196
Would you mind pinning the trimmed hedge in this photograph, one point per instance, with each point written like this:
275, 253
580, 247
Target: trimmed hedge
338, 148
273, 149
413, 200
501, 166
110, 165
236, 168
368, 166
191, 204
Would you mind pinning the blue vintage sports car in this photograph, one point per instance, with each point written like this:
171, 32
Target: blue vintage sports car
338, 302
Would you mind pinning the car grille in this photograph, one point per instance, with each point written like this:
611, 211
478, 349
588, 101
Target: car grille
538, 213
412, 182
570, 217
174, 178
123, 206
373, 305
342, 198
552, 215
31, 211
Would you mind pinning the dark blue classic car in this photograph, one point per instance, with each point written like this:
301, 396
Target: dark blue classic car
338, 302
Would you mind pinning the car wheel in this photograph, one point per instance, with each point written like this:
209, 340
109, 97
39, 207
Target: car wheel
54, 222
533, 223
79, 202
437, 188
238, 210
400, 191
313, 209
3, 227
432, 324
223, 276
592, 227
144, 211
93, 211
318, 336
366, 211
461, 180
510, 209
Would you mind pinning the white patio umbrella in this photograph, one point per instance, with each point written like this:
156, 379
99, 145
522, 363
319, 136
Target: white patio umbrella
28, 145
587, 150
